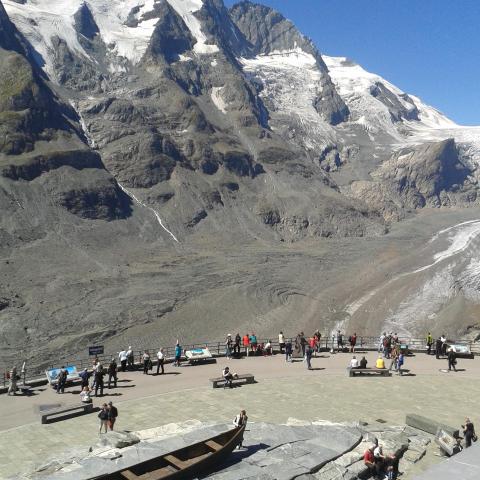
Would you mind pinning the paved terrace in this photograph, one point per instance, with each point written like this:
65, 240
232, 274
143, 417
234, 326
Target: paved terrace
284, 391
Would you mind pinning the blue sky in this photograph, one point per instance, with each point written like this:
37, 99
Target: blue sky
430, 48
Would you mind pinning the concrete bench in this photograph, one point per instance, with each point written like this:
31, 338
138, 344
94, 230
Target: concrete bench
221, 382
66, 411
384, 372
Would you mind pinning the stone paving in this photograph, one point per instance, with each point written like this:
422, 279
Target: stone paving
284, 391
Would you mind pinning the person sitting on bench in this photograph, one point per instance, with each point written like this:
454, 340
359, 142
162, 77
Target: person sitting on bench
228, 376
363, 362
85, 395
380, 364
354, 362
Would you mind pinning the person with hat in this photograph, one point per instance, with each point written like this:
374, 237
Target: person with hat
112, 415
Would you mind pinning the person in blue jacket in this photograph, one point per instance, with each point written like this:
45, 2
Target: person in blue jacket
178, 354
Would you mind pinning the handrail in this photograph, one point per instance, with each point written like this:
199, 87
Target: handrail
217, 348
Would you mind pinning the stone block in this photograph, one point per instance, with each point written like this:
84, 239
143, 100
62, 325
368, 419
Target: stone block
428, 425
413, 456
331, 471
349, 458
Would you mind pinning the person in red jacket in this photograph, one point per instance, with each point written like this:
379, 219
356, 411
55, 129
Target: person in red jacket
246, 343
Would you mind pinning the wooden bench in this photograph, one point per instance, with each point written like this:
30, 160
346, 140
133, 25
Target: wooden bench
385, 372
57, 413
245, 378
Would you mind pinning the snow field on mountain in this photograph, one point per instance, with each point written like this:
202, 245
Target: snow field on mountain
291, 83
186, 9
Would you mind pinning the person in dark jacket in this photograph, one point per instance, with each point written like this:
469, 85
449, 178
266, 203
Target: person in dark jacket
62, 380
112, 373
98, 377
308, 356
468, 432
288, 351
112, 415
236, 347
452, 359
438, 348
85, 376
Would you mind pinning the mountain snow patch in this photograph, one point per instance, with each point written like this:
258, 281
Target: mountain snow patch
186, 9
218, 100
291, 83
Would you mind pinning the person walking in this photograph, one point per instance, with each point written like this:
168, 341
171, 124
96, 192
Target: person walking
130, 358
236, 346
61, 380
146, 362
122, 356
98, 377
112, 373
103, 416
239, 421
429, 343
160, 361
112, 415
452, 360
468, 432
318, 337
12, 381
308, 356
178, 354
281, 341
246, 343
400, 362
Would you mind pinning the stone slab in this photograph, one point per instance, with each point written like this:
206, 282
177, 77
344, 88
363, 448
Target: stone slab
428, 425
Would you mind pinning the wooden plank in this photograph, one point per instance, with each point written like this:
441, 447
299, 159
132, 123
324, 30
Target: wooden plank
175, 461
129, 475
159, 473
213, 445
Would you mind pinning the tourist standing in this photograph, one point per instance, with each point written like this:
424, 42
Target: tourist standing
112, 373
253, 342
468, 432
160, 361
178, 354
288, 351
246, 343
85, 376
12, 381
130, 358
353, 341
400, 362
103, 416
122, 356
318, 337
281, 341
303, 344
380, 342
146, 362
438, 348
429, 343
393, 360
112, 415
240, 420
452, 360
339, 341
98, 378
228, 346
61, 380
443, 339
236, 346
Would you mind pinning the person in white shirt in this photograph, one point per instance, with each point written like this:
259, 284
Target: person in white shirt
281, 341
122, 356
130, 359
354, 362
239, 421
85, 395
161, 360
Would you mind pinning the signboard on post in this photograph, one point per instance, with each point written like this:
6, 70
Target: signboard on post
95, 350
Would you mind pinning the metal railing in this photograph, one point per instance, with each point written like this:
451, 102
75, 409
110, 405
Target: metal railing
218, 349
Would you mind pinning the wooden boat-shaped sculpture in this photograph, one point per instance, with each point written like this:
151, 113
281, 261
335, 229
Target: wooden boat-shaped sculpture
185, 463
